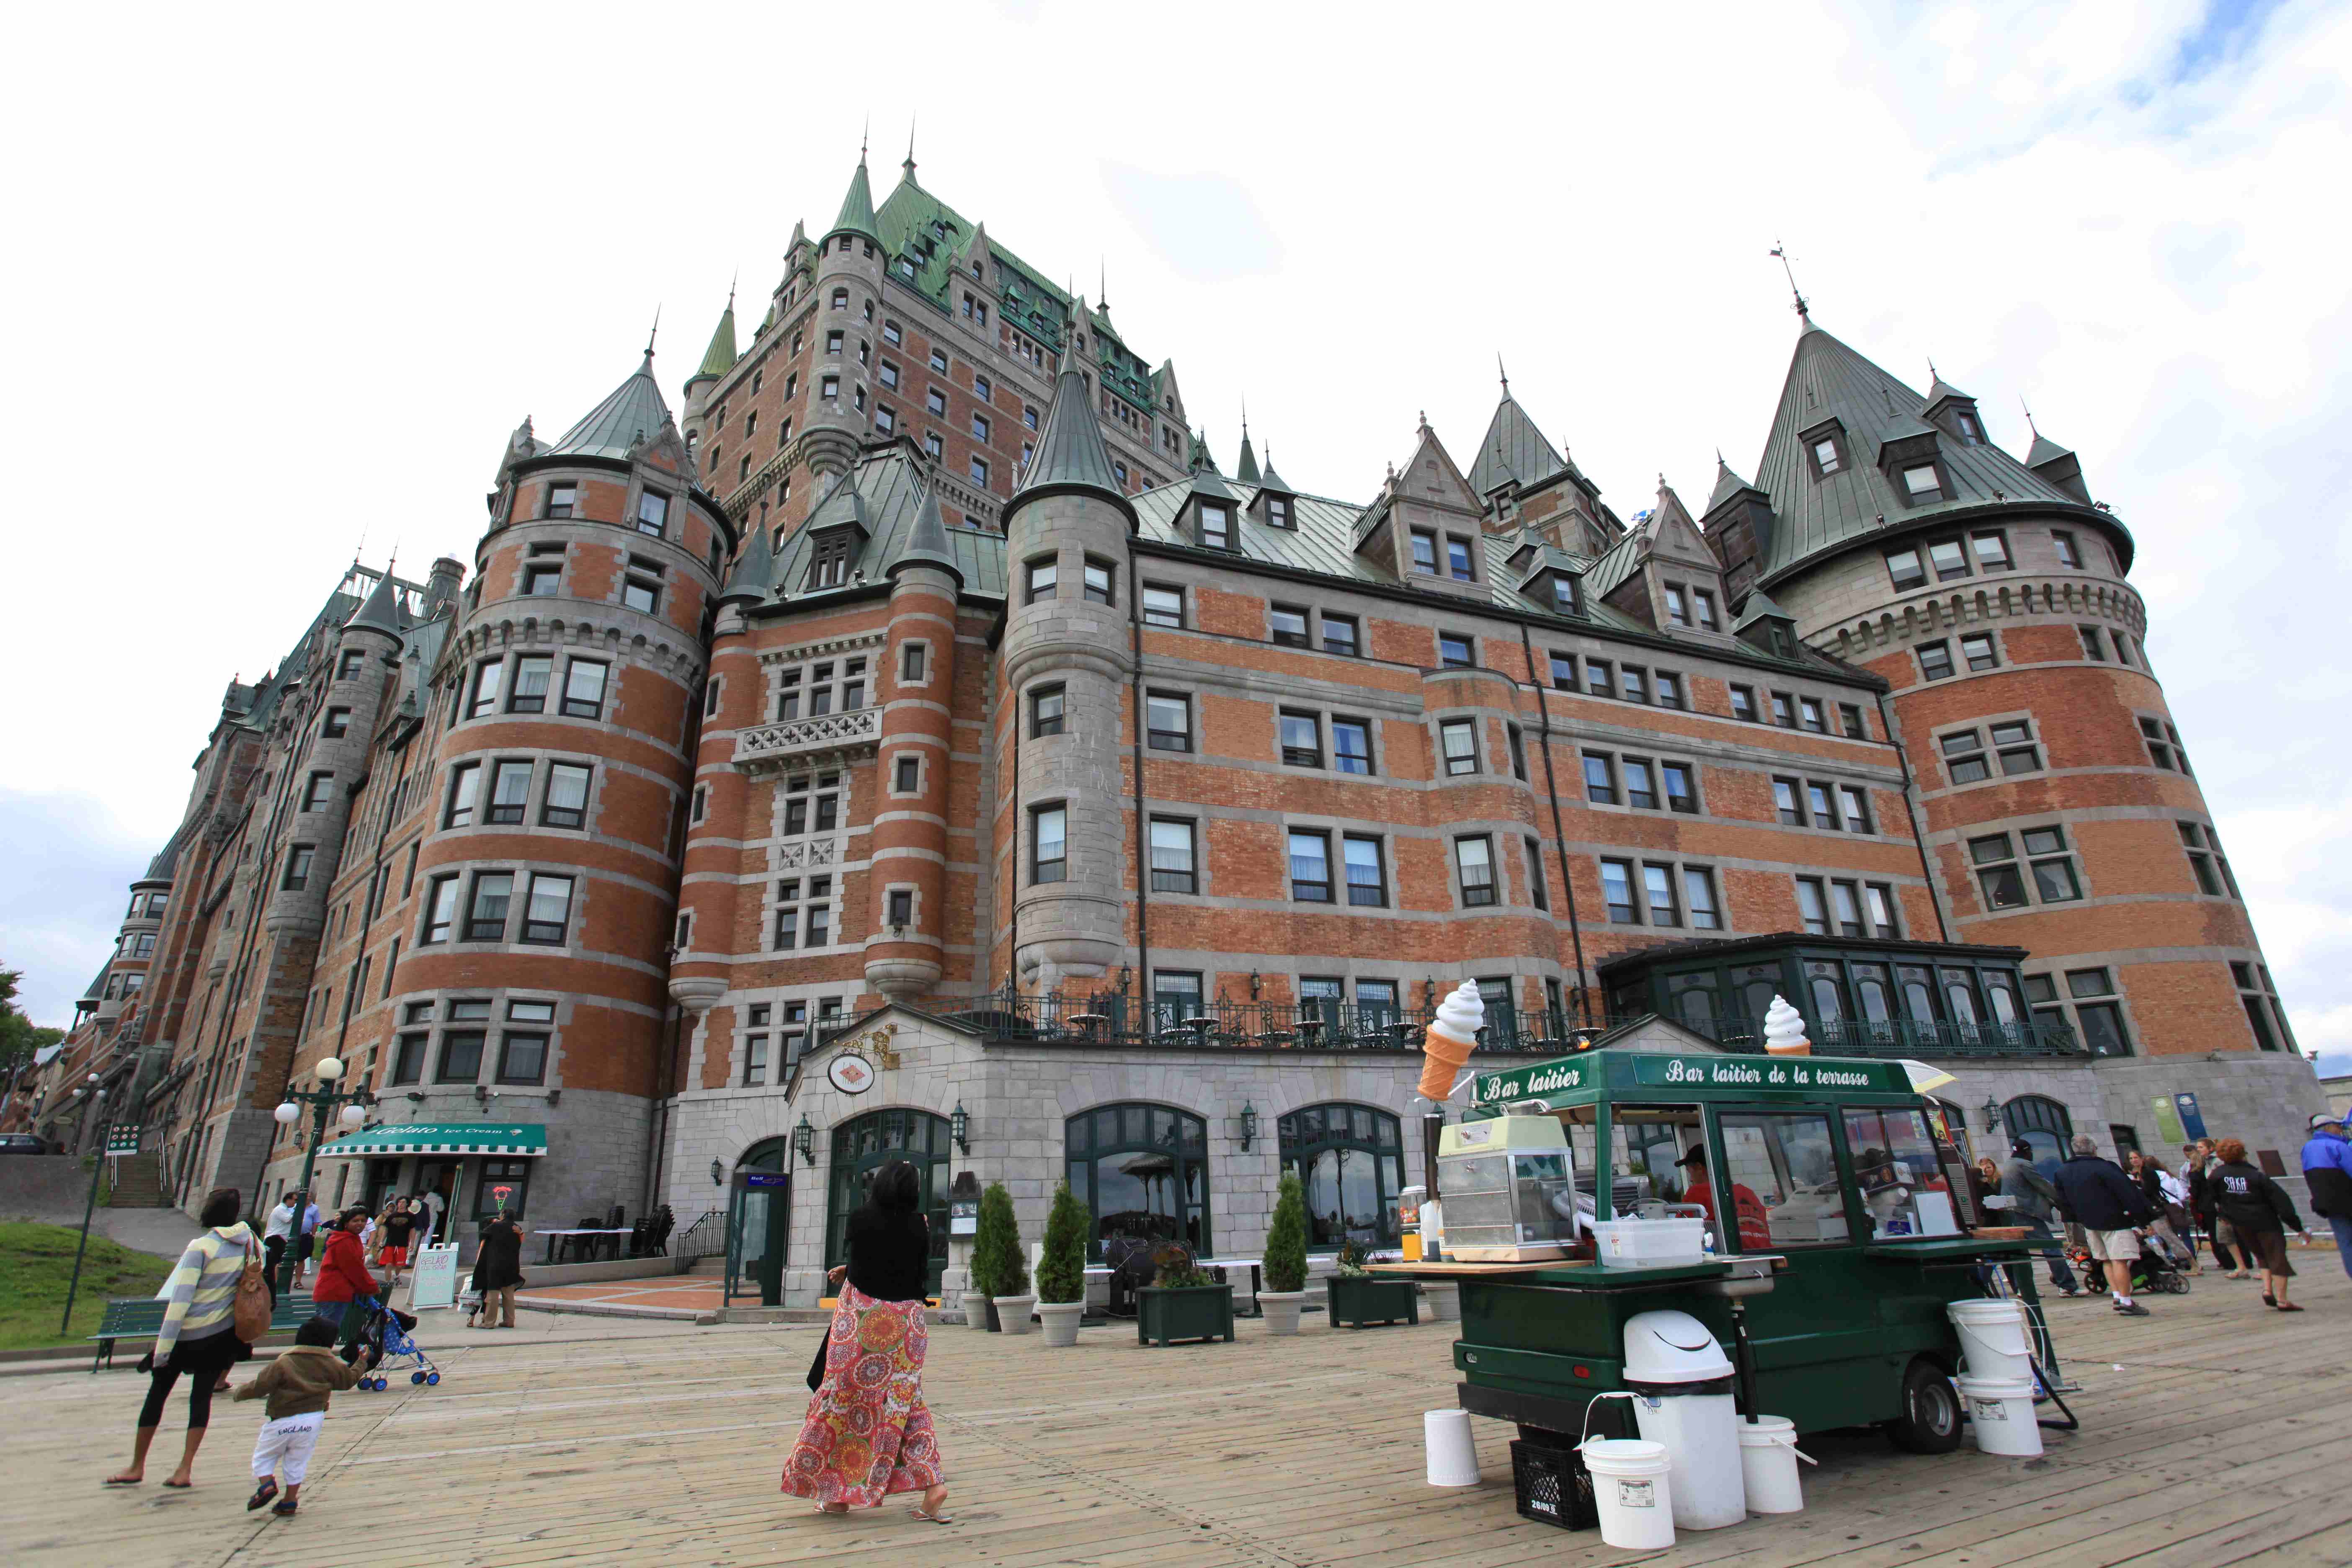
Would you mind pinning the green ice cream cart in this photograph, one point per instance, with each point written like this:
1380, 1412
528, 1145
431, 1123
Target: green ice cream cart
1839, 1229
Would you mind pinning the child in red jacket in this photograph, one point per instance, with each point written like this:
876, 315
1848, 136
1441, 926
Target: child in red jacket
342, 1276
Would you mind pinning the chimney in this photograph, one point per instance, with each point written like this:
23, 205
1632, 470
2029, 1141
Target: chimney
441, 588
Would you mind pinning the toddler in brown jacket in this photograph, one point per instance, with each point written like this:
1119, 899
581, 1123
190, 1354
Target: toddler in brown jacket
298, 1384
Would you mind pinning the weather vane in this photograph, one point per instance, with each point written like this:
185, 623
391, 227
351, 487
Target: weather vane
1804, 313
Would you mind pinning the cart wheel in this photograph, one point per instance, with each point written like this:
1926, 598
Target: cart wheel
1930, 1422
2179, 1285
433, 1380
418, 1378
380, 1384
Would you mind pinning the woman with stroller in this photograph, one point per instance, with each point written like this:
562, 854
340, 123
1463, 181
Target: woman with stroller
198, 1336
869, 1432
343, 1277
2153, 1179
2260, 1214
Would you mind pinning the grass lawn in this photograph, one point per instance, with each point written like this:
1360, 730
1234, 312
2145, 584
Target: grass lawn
36, 1261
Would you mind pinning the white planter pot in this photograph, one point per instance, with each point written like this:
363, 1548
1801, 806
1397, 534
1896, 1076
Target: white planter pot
1281, 1310
1060, 1321
975, 1310
1013, 1313
1443, 1301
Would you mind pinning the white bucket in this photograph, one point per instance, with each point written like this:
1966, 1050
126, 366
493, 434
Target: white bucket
1629, 1482
1696, 1431
2001, 1411
1993, 1343
1768, 1465
1453, 1456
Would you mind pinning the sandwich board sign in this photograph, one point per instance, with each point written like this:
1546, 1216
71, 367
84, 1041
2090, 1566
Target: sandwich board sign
435, 1282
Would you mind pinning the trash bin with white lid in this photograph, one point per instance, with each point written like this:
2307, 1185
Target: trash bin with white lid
1683, 1381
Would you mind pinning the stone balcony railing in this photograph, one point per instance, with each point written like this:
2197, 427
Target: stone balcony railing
803, 741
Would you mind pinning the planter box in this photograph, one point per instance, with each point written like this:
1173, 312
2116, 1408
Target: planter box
1194, 1312
1281, 1310
1359, 1303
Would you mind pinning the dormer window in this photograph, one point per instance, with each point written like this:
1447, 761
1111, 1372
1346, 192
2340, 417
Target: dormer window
1965, 426
1457, 558
1278, 512
1216, 526
1563, 595
1923, 482
829, 562
1828, 453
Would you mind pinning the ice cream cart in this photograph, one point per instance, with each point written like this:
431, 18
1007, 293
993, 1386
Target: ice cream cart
1834, 1228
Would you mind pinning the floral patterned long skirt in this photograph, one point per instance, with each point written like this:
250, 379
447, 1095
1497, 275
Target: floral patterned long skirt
869, 1432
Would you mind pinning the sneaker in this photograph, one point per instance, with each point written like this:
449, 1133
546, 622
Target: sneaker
2071, 1292
262, 1494
2131, 1309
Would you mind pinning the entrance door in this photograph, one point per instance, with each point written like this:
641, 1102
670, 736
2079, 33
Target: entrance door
758, 1213
440, 1178
863, 1145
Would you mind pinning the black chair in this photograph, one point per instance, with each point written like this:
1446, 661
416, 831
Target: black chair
1131, 1268
637, 1237
614, 1221
582, 1248
658, 1233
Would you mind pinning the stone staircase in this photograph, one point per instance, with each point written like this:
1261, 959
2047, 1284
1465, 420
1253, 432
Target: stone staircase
138, 1183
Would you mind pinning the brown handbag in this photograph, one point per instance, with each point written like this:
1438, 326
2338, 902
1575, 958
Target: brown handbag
253, 1302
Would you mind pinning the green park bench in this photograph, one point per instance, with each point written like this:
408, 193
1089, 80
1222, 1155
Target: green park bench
141, 1316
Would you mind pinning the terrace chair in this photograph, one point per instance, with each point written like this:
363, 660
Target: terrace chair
582, 1248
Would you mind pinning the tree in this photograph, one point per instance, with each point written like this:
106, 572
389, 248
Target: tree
1062, 1271
20, 1037
997, 1266
1286, 1239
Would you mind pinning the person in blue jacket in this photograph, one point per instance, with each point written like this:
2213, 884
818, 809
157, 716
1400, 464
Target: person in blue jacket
2327, 1173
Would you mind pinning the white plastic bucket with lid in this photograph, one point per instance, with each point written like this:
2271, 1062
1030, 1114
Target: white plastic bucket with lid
1453, 1456
1630, 1484
1993, 1341
1768, 1465
1641, 1243
2001, 1411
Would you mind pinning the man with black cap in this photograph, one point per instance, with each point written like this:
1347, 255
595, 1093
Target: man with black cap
2327, 1172
1755, 1223
2033, 1200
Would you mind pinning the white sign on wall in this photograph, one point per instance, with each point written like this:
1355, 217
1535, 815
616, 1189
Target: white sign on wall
850, 1073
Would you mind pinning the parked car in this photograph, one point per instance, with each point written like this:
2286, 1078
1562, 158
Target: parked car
23, 1143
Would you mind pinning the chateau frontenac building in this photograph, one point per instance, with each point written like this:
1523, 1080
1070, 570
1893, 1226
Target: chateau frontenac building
918, 745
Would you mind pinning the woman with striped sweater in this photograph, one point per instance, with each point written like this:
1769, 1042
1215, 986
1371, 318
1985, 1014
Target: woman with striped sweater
199, 1334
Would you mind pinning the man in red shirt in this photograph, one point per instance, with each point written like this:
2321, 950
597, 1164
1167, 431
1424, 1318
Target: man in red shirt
1755, 1224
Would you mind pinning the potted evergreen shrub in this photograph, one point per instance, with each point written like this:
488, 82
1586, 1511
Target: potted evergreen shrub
1286, 1259
1359, 1300
1062, 1270
1182, 1303
998, 1240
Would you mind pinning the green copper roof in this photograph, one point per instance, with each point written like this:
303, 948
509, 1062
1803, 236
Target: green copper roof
893, 497
1828, 380
1071, 452
754, 571
1513, 450
630, 412
2042, 450
720, 357
1727, 484
1937, 390
1245, 468
923, 234
1618, 562
1270, 480
382, 612
1758, 606
857, 215
927, 541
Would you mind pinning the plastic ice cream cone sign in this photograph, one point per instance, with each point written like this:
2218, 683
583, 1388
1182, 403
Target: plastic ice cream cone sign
1450, 1036
1784, 1030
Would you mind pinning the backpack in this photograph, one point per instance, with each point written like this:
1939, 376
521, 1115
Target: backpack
253, 1302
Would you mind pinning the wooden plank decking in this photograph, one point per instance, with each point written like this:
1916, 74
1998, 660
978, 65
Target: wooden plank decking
2214, 1434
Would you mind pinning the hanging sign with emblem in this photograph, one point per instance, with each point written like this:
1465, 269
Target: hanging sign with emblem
850, 1073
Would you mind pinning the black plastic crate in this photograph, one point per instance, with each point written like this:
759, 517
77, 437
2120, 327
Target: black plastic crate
1551, 1486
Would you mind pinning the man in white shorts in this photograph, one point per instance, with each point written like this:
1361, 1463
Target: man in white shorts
2110, 1206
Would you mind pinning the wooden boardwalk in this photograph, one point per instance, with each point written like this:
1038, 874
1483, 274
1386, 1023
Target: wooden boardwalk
2215, 1432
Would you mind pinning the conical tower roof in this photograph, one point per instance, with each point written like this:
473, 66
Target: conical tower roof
857, 215
1938, 389
1245, 468
720, 357
927, 542
755, 570
1270, 480
632, 411
1513, 450
1071, 452
1727, 483
381, 612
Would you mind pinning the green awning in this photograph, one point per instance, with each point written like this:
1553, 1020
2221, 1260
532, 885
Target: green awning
505, 1138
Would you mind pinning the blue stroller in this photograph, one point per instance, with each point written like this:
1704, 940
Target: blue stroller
383, 1337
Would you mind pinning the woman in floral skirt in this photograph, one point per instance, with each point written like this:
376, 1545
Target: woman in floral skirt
869, 1432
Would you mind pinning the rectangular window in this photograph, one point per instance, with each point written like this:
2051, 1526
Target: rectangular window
889, 369
1288, 624
1850, 722
1827, 459
1658, 887
1977, 649
1310, 867
583, 690
1163, 606
1812, 907
1743, 703
509, 792
1175, 997
1600, 778
1600, 677
1922, 482
1048, 841
653, 506
1455, 652
1457, 558
318, 792
1824, 809
1045, 710
486, 688
912, 658
1539, 891
1617, 892
1878, 898
1518, 751
486, 914
755, 1058
1458, 743
567, 796
337, 723
898, 911
1168, 721
2068, 555
1425, 551
1042, 576
440, 909
1703, 602
1302, 740
461, 1057
1991, 552
1641, 791
560, 499
1367, 881
1784, 710
1339, 634
1677, 604
1786, 802
1845, 903
298, 861
2054, 868
1998, 877
1682, 793
641, 594
907, 776
980, 427
1669, 689
979, 471
408, 1059
1173, 867
1096, 584
547, 911
532, 672
1698, 895
1216, 526
1964, 757
1474, 857
1855, 803
2200, 862
1634, 683
1563, 671
1351, 745
1936, 660
2019, 754
1948, 560
1903, 566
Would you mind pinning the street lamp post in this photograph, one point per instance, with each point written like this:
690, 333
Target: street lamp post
89, 1205
323, 1101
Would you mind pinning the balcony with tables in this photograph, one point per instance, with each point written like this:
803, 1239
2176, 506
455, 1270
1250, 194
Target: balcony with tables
1121, 1020
1921, 1040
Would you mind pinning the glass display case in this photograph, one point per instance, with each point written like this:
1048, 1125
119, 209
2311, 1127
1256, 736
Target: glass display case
1509, 1186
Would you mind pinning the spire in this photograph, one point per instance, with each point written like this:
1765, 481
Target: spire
1245, 468
857, 215
1198, 457
1727, 483
654, 332
1270, 480
754, 574
720, 357
1501, 371
906, 169
631, 410
1938, 390
1071, 453
380, 613
927, 542
1102, 286
1513, 448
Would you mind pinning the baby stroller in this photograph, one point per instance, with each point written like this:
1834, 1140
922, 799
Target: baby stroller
384, 1336
2155, 1269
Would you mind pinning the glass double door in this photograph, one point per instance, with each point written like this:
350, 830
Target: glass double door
863, 1145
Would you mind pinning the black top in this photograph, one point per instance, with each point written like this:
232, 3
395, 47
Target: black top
2097, 1196
889, 1254
2250, 1201
498, 1263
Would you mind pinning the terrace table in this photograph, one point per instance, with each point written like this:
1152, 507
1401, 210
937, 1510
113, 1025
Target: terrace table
1088, 1023
1254, 1265
553, 1236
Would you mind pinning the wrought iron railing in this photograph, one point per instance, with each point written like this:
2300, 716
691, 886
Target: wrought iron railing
1910, 1037
1115, 1019
705, 1237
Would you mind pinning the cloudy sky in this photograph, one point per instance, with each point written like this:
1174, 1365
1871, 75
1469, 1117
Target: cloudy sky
281, 285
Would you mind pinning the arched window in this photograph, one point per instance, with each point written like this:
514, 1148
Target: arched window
863, 1145
1350, 1161
2040, 1121
1142, 1170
